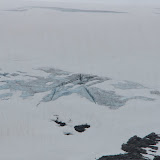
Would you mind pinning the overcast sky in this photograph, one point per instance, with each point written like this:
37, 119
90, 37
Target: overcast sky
111, 1
99, 1
7, 4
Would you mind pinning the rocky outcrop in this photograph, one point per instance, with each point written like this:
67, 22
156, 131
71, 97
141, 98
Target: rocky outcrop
137, 148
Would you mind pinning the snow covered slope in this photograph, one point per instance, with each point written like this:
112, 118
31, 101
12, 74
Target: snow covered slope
77, 79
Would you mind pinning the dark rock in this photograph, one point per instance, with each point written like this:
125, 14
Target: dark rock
81, 128
62, 124
138, 145
68, 133
135, 147
122, 157
156, 158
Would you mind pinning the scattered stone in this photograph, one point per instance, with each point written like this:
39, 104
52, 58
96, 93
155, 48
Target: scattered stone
81, 128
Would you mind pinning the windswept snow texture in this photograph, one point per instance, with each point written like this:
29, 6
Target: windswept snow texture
61, 83
128, 85
63, 10
157, 11
5, 95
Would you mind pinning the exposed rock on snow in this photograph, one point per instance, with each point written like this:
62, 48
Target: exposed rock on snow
81, 128
136, 148
62, 124
156, 158
67, 133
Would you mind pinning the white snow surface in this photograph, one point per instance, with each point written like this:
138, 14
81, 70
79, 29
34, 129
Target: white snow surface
121, 46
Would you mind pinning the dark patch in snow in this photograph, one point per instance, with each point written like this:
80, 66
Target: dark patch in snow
5, 96
4, 74
21, 72
128, 85
60, 123
156, 158
136, 147
14, 74
155, 92
122, 157
67, 133
54, 71
81, 128
64, 10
